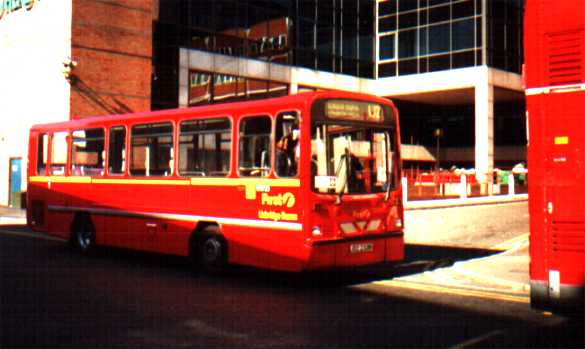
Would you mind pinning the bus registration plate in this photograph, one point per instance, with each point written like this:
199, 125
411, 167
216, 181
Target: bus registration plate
361, 248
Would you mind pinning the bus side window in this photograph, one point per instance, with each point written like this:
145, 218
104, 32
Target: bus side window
255, 147
87, 152
42, 153
117, 150
287, 144
59, 153
205, 147
151, 149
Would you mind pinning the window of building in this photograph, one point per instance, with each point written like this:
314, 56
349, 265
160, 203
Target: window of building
387, 8
388, 47
387, 70
407, 66
463, 34
439, 38
87, 152
407, 5
463, 9
407, 44
441, 62
59, 153
387, 24
407, 20
117, 150
254, 146
287, 144
439, 14
205, 147
438, 2
463, 59
42, 153
423, 36
152, 150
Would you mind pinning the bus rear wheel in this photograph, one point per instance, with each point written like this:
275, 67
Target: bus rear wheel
83, 235
212, 251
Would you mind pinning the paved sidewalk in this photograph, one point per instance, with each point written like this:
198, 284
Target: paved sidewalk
502, 275
505, 274
10, 215
481, 200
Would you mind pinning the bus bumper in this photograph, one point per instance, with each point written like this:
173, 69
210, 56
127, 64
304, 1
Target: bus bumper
356, 251
570, 299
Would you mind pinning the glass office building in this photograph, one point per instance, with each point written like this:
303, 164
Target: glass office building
452, 65
421, 36
334, 36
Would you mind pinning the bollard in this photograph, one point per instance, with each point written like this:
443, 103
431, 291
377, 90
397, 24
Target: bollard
463, 187
511, 189
404, 183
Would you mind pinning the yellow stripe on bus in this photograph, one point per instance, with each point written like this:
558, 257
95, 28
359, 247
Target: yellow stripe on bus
252, 185
60, 179
140, 181
280, 182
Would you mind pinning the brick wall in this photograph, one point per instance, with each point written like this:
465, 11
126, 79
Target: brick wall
112, 45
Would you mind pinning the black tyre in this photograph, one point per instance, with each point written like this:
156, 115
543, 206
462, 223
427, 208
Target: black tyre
212, 251
83, 235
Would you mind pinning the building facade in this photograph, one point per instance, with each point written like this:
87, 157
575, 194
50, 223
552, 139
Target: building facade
66, 59
453, 67
34, 41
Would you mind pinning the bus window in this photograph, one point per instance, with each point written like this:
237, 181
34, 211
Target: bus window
117, 150
287, 145
254, 151
205, 147
42, 152
59, 153
152, 150
87, 152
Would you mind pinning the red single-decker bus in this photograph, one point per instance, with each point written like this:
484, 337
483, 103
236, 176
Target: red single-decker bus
302, 182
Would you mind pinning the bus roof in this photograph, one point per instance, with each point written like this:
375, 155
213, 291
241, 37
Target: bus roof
250, 107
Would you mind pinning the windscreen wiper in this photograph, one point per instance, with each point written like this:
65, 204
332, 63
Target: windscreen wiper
388, 187
344, 158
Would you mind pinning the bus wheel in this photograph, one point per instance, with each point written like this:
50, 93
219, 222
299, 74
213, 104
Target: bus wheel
83, 237
212, 251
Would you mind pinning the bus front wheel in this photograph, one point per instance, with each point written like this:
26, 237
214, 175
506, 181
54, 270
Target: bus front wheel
212, 251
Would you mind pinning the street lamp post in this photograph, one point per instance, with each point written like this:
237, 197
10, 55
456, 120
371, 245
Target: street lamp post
438, 133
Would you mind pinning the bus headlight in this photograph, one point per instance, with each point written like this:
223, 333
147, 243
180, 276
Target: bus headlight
316, 231
398, 223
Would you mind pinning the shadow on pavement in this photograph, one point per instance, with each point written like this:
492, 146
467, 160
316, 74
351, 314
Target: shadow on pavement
123, 299
418, 259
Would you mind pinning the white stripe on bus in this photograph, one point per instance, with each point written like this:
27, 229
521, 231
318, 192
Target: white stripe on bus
555, 89
184, 217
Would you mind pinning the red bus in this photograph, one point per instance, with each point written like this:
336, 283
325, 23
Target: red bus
555, 95
295, 183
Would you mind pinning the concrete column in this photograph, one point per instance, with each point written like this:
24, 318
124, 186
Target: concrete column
404, 182
183, 78
484, 128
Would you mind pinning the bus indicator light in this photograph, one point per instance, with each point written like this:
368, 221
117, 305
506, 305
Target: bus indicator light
564, 140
